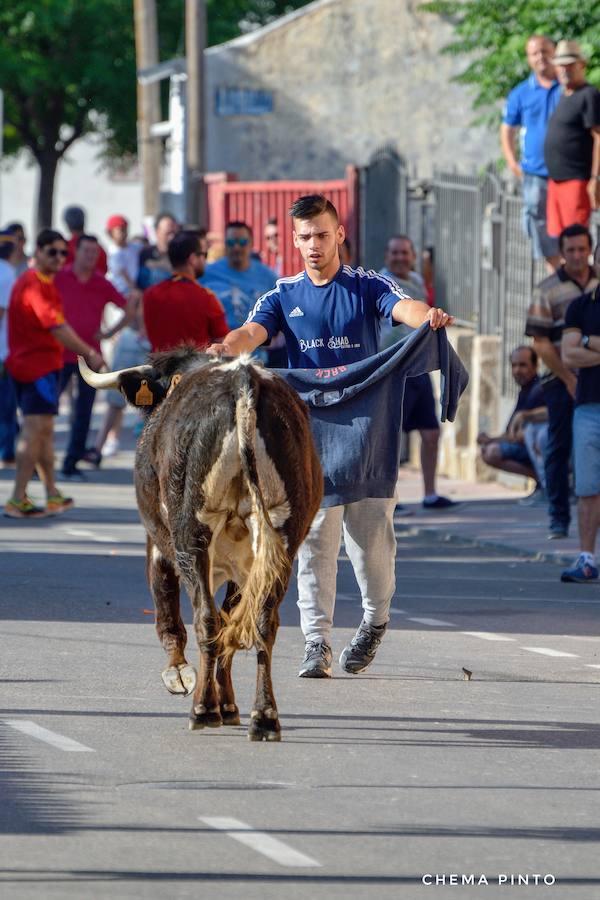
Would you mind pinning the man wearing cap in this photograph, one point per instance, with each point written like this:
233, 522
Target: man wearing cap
528, 109
572, 145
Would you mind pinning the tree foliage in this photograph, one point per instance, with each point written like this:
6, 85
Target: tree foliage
67, 69
492, 33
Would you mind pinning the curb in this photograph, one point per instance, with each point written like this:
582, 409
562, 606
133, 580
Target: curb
561, 559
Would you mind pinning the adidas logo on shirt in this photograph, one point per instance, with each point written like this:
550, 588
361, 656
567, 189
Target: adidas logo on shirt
295, 313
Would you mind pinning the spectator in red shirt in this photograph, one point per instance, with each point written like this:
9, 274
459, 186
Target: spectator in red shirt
74, 217
37, 333
84, 294
179, 310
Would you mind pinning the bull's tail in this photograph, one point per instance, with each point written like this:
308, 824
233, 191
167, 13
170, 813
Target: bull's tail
271, 566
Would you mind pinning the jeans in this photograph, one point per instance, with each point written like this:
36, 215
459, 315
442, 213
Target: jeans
586, 449
81, 413
535, 435
8, 416
370, 542
558, 450
535, 191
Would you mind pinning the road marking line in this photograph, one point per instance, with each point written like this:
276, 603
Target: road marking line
426, 621
546, 651
401, 612
49, 737
263, 843
592, 666
80, 532
487, 636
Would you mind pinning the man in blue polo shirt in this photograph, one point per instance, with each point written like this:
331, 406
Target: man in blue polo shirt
330, 316
528, 108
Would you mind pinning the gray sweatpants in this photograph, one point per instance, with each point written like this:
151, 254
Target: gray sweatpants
370, 541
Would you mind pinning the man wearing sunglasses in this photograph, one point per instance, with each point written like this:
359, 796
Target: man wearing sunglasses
237, 279
37, 333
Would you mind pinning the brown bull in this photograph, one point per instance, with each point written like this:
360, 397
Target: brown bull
227, 482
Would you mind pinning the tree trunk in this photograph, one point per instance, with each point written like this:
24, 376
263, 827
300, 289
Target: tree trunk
48, 164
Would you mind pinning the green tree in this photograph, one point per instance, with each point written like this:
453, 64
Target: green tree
492, 33
67, 69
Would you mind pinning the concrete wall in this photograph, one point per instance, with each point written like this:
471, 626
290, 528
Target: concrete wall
344, 77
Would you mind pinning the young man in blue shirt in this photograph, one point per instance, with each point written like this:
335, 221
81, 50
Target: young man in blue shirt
330, 315
528, 109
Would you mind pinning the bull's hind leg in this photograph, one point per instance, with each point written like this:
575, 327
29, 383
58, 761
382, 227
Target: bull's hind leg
264, 719
229, 710
207, 622
179, 677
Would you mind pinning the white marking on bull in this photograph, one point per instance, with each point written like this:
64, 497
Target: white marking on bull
156, 554
228, 508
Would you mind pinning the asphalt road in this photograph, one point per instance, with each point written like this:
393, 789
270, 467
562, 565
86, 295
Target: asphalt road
406, 771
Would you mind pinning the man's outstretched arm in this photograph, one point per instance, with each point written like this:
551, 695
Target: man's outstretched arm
241, 340
414, 312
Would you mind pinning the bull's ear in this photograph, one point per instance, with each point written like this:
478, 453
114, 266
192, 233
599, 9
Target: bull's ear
142, 390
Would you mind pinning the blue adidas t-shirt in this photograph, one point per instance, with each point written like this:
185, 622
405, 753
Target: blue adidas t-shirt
529, 106
238, 290
332, 324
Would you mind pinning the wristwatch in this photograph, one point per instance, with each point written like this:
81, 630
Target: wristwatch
585, 342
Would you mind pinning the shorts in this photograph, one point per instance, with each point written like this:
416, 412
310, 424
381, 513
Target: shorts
535, 194
586, 449
39, 397
130, 350
568, 204
418, 409
515, 451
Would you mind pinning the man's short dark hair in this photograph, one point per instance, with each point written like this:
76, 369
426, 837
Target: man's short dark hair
532, 352
163, 215
312, 205
271, 221
575, 230
15, 228
238, 224
74, 218
182, 246
86, 237
48, 236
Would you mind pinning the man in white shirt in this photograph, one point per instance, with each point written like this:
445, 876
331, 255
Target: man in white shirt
8, 400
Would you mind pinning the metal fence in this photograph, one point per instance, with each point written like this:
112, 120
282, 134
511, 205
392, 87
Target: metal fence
484, 271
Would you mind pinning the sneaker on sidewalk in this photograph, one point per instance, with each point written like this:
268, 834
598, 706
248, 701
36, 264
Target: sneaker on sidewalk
440, 503
92, 456
581, 572
57, 504
317, 660
111, 447
361, 650
23, 509
558, 532
536, 498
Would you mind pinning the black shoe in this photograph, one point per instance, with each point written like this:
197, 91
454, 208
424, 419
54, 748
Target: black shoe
92, 456
72, 473
558, 531
439, 503
317, 660
361, 650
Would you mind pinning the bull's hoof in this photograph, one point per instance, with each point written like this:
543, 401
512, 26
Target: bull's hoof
230, 714
200, 717
180, 679
264, 726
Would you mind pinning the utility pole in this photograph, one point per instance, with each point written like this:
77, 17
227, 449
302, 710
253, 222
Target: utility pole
195, 42
148, 102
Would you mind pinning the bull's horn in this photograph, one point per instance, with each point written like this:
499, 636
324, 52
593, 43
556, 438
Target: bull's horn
105, 379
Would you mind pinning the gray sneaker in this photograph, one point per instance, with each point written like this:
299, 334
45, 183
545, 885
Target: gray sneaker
317, 660
361, 650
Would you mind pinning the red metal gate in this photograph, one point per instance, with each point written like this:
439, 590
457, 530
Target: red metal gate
255, 202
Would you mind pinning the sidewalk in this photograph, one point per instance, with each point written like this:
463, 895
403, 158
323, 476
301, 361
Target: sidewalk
489, 516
